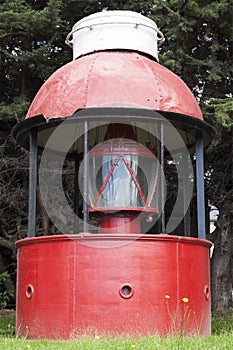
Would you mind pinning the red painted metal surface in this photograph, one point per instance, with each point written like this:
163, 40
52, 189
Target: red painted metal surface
69, 286
118, 223
113, 79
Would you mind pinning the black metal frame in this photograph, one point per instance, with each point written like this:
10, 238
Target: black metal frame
85, 178
188, 123
198, 126
32, 184
200, 187
185, 175
76, 196
161, 177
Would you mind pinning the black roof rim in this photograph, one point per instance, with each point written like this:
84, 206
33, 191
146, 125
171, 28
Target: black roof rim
21, 130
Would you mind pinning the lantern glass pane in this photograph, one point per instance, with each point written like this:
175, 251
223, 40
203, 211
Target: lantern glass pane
122, 182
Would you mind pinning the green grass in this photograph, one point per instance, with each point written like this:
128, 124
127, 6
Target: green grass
222, 342
222, 339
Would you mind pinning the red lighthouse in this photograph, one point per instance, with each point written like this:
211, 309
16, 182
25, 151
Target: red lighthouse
129, 256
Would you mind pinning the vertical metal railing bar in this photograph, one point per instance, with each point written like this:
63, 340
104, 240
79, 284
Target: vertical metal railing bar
76, 196
161, 187
185, 182
85, 178
158, 133
162, 176
32, 184
200, 187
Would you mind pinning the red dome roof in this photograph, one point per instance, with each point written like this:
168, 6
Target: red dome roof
113, 79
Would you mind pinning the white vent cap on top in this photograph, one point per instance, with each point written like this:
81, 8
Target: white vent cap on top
112, 30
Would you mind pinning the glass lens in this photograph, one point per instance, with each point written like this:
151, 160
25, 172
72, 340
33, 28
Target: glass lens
122, 181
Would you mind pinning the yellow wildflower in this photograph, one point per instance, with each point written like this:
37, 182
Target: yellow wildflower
133, 346
185, 300
97, 337
167, 296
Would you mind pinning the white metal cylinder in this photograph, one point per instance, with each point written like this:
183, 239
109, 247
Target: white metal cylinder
109, 30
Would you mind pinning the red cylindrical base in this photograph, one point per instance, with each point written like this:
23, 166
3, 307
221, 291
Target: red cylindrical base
120, 223
138, 285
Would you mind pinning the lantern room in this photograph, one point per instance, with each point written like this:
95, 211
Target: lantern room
116, 145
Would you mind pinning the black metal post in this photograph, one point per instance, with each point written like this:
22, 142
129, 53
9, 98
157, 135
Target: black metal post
200, 187
32, 184
185, 180
160, 155
162, 179
76, 195
85, 177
